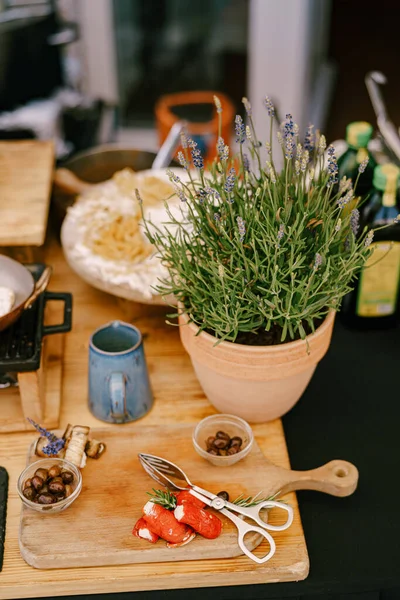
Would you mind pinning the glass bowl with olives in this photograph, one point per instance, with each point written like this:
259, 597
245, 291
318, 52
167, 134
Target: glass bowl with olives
49, 485
223, 440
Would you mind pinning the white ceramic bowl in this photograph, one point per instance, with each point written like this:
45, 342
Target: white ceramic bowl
233, 426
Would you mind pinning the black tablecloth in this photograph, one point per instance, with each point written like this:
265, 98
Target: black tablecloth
351, 410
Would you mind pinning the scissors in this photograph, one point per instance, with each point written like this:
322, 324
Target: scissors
161, 470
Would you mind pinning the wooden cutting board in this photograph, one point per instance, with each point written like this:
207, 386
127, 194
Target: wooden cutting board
26, 172
96, 529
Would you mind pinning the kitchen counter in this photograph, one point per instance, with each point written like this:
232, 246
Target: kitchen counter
351, 410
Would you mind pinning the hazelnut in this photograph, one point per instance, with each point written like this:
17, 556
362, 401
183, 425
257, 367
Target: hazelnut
29, 493
220, 443
42, 473
56, 487
68, 490
28, 483
46, 499
67, 476
37, 482
54, 471
222, 435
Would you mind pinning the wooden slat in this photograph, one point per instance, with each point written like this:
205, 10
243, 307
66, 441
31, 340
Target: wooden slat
26, 170
178, 398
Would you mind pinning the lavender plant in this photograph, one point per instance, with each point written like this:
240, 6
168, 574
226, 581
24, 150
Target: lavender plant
259, 250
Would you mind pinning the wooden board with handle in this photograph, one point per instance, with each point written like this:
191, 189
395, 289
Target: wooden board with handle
26, 170
178, 399
96, 529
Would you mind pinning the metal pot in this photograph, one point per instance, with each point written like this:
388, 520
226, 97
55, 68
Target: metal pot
94, 166
17, 277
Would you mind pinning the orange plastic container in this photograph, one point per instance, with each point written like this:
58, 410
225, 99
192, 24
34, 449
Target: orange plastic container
205, 132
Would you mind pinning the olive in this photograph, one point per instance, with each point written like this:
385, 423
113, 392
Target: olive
28, 483
236, 441
220, 443
56, 487
212, 451
67, 477
222, 452
29, 493
222, 435
68, 490
209, 441
54, 471
223, 495
42, 473
44, 489
233, 450
46, 499
37, 482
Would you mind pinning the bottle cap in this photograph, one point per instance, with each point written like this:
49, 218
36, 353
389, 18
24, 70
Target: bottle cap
385, 173
358, 134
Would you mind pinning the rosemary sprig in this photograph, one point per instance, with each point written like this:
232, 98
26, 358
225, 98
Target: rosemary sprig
253, 500
163, 498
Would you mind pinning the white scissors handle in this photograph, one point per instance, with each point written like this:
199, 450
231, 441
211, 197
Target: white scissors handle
244, 528
253, 512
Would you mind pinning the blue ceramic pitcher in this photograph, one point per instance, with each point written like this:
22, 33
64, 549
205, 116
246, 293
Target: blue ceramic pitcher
119, 386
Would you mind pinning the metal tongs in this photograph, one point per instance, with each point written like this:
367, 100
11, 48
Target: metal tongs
161, 470
386, 127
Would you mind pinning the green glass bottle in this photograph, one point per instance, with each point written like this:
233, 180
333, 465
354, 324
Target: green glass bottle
375, 302
358, 134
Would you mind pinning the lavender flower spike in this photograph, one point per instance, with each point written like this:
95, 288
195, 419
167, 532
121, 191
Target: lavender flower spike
369, 238
269, 106
317, 261
240, 130
223, 150
332, 166
183, 161
363, 165
218, 105
184, 140
281, 233
355, 220
309, 138
230, 181
341, 202
196, 155
247, 106
241, 227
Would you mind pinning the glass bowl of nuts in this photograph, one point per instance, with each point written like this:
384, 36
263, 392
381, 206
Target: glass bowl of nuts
49, 485
223, 440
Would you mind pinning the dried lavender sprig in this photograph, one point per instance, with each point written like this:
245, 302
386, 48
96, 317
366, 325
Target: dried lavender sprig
222, 149
43, 431
309, 139
341, 202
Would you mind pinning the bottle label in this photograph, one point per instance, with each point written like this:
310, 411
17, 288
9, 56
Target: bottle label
379, 283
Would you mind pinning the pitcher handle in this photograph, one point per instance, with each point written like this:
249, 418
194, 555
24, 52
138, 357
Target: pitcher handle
117, 387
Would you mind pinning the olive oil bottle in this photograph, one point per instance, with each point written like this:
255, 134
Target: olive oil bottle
375, 302
358, 134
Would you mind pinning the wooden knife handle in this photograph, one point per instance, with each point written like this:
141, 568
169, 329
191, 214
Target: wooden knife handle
66, 181
337, 477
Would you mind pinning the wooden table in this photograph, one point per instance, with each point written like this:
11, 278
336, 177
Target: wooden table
177, 392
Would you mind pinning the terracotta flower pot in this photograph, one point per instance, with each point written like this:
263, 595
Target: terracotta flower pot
257, 383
